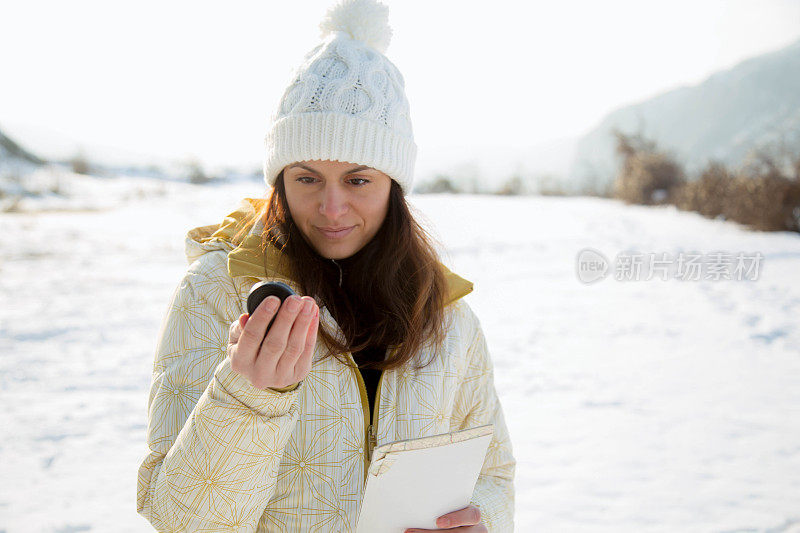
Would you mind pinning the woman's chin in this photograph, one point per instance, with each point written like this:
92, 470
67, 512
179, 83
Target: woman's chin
335, 251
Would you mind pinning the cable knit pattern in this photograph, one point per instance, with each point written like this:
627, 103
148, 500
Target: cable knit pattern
346, 101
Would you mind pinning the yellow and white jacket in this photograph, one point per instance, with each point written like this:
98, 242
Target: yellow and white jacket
225, 456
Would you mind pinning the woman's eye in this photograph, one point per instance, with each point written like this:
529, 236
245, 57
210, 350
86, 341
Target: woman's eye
363, 180
302, 178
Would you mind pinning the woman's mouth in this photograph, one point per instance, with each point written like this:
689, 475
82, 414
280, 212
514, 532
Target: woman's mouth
335, 233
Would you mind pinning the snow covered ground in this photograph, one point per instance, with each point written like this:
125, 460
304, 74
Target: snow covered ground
641, 406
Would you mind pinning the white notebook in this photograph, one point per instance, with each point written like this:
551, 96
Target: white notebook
410, 483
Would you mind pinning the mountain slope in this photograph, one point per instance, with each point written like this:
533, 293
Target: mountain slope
755, 103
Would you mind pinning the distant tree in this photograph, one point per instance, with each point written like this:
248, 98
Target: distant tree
79, 163
550, 185
195, 172
513, 186
440, 184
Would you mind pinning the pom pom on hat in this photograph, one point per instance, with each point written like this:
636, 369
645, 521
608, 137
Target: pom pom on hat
362, 20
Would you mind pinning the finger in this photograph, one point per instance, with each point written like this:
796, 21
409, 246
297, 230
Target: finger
253, 332
236, 329
233, 334
275, 342
301, 327
296, 343
468, 516
303, 365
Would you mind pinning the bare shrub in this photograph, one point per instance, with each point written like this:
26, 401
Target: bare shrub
80, 164
758, 195
707, 195
648, 176
195, 173
763, 193
11, 205
551, 187
513, 186
440, 184
768, 203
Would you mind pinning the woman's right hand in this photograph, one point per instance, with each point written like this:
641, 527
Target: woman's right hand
284, 356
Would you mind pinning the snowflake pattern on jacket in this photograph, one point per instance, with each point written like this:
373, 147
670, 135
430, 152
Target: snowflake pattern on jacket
225, 456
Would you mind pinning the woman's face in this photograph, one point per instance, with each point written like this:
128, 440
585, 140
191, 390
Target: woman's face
338, 206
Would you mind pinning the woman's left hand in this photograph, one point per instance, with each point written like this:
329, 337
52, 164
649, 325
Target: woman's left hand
466, 520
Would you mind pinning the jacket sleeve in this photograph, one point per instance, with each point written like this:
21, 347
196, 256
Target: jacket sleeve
215, 441
477, 404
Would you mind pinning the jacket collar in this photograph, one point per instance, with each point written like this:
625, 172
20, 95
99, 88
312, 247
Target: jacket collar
246, 259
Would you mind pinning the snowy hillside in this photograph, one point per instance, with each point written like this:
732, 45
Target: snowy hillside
15, 162
755, 103
633, 406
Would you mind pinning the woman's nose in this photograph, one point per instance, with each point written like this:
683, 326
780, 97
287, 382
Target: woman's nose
334, 202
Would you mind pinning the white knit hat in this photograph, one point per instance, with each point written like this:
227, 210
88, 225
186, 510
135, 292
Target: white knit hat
346, 101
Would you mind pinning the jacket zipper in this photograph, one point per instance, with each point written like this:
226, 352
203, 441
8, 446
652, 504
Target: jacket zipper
340, 271
370, 426
374, 426
370, 437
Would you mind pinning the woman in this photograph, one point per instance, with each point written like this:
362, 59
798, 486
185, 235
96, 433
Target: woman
255, 433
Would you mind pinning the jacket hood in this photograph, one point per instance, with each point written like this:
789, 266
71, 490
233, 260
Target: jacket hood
246, 259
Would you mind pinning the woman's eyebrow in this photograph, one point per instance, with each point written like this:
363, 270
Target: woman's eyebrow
356, 169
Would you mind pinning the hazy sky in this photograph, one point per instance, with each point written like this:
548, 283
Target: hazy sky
176, 79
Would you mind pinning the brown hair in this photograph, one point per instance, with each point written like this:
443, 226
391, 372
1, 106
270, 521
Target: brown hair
397, 272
